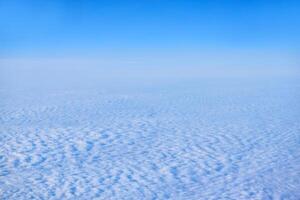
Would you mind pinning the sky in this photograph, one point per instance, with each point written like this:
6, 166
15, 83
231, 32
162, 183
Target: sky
77, 26
189, 33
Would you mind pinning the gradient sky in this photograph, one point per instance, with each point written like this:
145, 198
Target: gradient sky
29, 26
92, 40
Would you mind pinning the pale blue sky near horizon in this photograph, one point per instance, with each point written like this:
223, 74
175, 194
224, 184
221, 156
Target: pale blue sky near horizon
159, 32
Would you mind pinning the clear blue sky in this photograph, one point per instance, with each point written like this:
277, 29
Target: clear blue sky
66, 27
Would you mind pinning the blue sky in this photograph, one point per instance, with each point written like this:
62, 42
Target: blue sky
72, 42
151, 29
